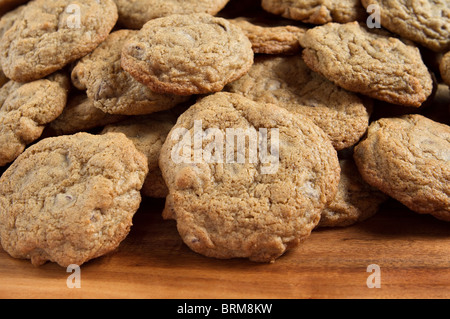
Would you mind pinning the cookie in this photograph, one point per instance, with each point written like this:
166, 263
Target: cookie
355, 200
6, 21
317, 12
113, 90
408, 158
444, 67
255, 198
369, 62
47, 35
424, 22
134, 14
148, 134
80, 115
71, 198
25, 110
268, 39
287, 82
187, 54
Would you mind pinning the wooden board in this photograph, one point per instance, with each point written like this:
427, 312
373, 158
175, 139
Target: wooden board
412, 251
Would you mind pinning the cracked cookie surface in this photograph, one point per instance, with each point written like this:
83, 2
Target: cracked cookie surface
287, 82
369, 62
408, 158
25, 110
246, 209
134, 14
111, 88
187, 54
48, 35
317, 11
426, 22
69, 199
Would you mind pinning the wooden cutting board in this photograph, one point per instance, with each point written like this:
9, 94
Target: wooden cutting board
412, 252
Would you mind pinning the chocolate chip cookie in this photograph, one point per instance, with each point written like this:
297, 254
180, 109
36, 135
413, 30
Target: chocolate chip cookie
444, 67
80, 115
289, 83
267, 39
425, 22
71, 198
25, 110
230, 202
187, 54
408, 158
148, 134
47, 35
317, 11
113, 90
369, 62
135, 13
355, 200
6, 21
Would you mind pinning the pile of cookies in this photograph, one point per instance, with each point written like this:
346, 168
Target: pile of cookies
257, 121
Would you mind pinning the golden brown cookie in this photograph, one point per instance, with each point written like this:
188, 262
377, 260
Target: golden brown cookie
47, 35
408, 158
6, 22
369, 62
267, 39
148, 134
134, 14
113, 90
246, 179
8, 19
25, 110
355, 200
187, 54
426, 22
289, 83
80, 115
444, 67
317, 11
71, 198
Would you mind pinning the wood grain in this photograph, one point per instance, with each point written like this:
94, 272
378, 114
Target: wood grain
411, 250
